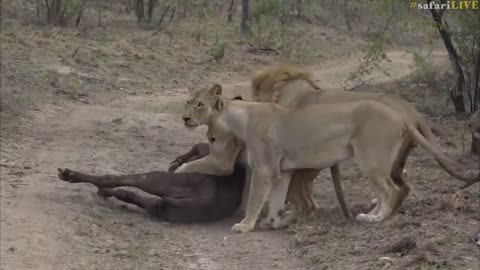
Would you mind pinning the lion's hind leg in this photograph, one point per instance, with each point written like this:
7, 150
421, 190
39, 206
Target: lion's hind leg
376, 162
397, 172
387, 193
309, 176
300, 191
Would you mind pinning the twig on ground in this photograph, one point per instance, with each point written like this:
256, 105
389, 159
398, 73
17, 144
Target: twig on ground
363, 82
404, 245
266, 49
103, 81
72, 96
75, 52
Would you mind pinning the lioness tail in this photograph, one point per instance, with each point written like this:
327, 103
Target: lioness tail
445, 162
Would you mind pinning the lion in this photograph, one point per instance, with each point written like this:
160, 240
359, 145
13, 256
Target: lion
292, 87
279, 140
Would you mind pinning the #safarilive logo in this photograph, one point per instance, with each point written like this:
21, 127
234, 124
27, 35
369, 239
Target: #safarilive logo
452, 4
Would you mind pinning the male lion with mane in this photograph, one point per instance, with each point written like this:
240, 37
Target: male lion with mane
279, 140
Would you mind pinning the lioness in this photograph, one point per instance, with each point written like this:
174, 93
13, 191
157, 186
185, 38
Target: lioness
292, 87
279, 140
179, 197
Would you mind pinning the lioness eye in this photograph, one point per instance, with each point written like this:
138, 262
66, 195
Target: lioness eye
199, 105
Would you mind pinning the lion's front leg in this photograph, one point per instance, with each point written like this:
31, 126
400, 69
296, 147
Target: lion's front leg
260, 187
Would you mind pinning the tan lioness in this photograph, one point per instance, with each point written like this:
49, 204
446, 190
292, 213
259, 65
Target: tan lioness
280, 140
293, 87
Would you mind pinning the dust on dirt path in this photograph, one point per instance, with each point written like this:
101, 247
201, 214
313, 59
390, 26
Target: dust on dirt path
49, 224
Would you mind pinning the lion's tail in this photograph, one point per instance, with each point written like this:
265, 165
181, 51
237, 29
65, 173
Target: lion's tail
445, 162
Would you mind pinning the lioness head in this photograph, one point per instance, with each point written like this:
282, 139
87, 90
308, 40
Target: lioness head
202, 105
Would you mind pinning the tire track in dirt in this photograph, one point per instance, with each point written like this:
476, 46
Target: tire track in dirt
49, 224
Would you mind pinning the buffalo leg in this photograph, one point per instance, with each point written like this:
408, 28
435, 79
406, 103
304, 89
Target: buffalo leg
152, 205
198, 151
158, 183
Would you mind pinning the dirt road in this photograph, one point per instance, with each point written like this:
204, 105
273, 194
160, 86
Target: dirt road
49, 224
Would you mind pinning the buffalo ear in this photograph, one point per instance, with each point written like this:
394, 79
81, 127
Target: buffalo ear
216, 90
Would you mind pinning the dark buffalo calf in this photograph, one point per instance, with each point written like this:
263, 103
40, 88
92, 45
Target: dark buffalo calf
182, 197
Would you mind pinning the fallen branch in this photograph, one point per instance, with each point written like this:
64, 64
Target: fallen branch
72, 96
103, 81
201, 62
75, 52
363, 82
266, 49
404, 246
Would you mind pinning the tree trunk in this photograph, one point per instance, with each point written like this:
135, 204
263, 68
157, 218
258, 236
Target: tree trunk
151, 8
185, 7
231, 10
475, 150
475, 79
38, 10
244, 30
346, 13
139, 10
172, 14
283, 16
55, 12
458, 91
475, 128
80, 13
128, 6
99, 13
299, 8
164, 13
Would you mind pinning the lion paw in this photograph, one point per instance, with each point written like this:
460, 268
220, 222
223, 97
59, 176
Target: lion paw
242, 228
369, 218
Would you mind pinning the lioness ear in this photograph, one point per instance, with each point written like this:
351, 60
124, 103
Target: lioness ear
216, 90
